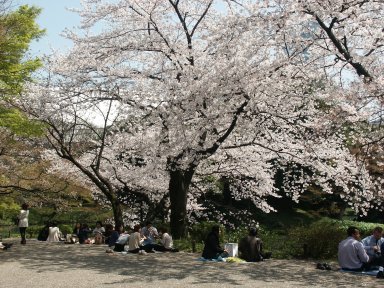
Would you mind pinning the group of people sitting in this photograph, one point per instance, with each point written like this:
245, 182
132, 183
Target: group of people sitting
250, 246
142, 240
364, 255
148, 239
81, 234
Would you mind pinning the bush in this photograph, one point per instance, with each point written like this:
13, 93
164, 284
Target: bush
65, 229
199, 232
33, 230
318, 240
187, 244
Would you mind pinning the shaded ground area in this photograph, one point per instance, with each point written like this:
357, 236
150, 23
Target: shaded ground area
39, 265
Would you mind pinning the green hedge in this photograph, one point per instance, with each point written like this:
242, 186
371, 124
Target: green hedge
318, 240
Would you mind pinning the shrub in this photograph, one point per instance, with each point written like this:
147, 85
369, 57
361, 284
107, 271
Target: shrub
199, 232
318, 240
278, 243
65, 229
33, 230
187, 244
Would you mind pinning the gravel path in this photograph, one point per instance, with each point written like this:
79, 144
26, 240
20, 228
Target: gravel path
47, 265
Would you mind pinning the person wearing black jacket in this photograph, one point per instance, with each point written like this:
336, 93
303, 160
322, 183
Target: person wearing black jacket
212, 248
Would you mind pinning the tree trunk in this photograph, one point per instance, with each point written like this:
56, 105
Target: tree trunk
178, 191
227, 195
117, 212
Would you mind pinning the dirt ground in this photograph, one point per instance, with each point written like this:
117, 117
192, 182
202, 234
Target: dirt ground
40, 265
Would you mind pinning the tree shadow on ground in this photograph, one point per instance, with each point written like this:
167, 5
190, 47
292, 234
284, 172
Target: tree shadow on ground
184, 267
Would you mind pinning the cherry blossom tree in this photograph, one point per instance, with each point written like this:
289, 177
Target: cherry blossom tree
186, 89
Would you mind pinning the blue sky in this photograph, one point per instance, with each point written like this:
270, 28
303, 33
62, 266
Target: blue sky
54, 18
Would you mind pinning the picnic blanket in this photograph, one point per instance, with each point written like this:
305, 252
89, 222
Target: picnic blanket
228, 259
370, 272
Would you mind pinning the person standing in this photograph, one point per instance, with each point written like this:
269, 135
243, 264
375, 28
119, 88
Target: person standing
351, 252
23, 222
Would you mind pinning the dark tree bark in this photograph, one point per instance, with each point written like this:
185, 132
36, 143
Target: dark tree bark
117, 212
178, 192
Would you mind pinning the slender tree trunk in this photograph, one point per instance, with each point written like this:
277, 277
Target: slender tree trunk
178, 192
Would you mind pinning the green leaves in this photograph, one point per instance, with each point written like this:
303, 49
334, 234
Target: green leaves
19, 124
17, 30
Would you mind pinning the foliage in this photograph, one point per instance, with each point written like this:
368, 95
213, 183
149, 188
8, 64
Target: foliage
34, 230
199, 232
185, 90
19, 124
17, 30
8, 210
188, 245
65, 229
318, 240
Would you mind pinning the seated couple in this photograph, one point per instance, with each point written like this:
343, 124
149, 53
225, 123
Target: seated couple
250, 247
354, 255
50, 233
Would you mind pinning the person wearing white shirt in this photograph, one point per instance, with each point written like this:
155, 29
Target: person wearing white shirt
351, 253
149, 233
54, 233
99, 233
23, 222
135, 240
166, 240
372, 245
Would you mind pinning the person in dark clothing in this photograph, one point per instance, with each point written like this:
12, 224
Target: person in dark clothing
83, 234
108, 232
76, 229
117, 247
212, 248
43, 234
250, 247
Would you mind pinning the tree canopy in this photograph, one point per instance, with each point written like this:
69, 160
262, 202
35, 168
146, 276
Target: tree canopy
17, 29
193, 89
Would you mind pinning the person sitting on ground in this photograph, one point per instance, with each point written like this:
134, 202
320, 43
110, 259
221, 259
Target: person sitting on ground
212, 248
166, 243
351, 252
149, 233
108, 232
250, 247
84, 234
118, 239
98, 233
43, 234
135, 240
372, 245
75, 234
54, 233
5, 246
